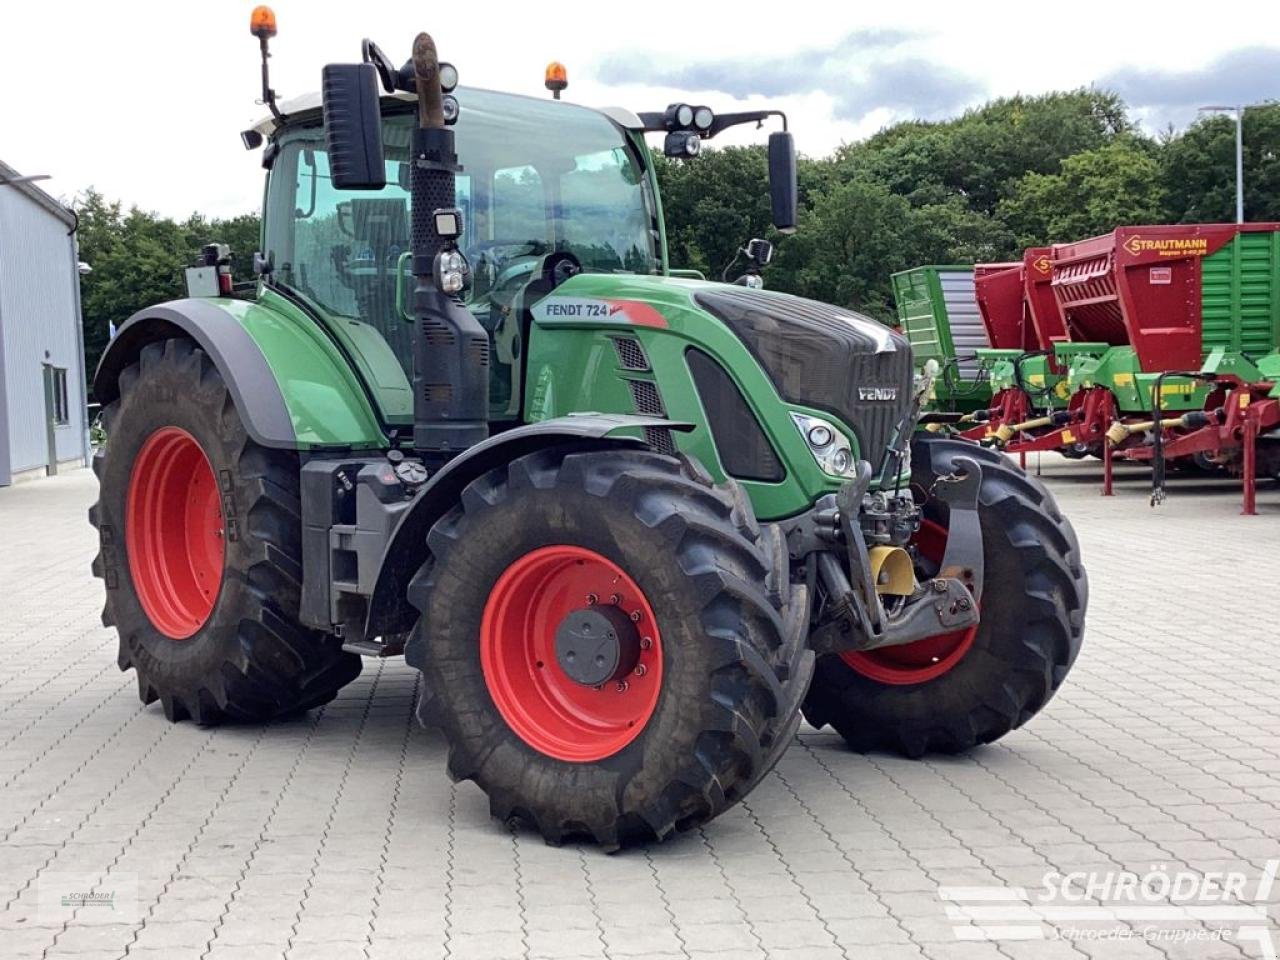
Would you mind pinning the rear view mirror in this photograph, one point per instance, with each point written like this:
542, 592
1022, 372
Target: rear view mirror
782, 181
353, 126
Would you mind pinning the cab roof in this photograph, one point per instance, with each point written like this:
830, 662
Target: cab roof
309, 103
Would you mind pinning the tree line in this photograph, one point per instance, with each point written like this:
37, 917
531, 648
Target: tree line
1015, 172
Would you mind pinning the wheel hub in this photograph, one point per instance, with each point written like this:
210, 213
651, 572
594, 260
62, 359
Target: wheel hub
597, 644
571, 653
174, 533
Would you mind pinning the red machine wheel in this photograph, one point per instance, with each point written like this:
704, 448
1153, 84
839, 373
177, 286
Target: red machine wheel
174, 533
200, 550
925, 659
540, 654
524, 670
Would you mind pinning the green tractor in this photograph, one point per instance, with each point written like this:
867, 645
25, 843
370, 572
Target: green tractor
629, 527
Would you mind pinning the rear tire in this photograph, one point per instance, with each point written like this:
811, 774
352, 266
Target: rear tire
718, 700
229, 646
1032, 625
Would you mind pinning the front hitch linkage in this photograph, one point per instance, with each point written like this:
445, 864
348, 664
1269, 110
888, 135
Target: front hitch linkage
943, 604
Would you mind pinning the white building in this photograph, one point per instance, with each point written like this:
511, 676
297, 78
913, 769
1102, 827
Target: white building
42, 377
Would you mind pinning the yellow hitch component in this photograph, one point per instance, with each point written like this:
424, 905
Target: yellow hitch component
1118, 433
1006, 433
933, 427
892, 570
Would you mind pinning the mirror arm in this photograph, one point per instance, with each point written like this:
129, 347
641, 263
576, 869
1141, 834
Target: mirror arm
725, 120
656, 121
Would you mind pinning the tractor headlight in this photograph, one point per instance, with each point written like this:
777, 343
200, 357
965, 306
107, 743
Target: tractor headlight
450, 271
828, 445
682, 144
449, 105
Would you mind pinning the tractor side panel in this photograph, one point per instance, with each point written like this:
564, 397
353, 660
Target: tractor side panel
633, 357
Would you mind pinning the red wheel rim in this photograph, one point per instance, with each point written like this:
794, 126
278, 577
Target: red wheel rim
925, 659
173, 533
548, 710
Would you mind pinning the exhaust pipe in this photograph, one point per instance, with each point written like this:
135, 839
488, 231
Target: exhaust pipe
450, 348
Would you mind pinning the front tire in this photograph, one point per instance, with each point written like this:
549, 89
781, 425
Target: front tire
947, 694
200, 551
691, 700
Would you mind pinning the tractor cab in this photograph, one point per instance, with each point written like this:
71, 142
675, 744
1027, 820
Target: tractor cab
539, 178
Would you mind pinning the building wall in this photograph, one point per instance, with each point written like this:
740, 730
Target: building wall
39, 323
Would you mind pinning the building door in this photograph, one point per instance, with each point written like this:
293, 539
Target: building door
51, 418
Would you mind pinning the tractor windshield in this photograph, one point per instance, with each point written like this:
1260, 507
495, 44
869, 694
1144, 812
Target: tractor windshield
538, 177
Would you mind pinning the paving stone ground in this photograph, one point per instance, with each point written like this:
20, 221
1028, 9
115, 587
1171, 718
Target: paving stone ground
339, 835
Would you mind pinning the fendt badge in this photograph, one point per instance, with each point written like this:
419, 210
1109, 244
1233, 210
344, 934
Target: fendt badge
878, 394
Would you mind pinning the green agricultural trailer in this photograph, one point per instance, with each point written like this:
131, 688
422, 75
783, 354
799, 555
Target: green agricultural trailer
939, 315
628, 527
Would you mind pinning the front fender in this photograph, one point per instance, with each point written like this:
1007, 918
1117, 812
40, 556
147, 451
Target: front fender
389, 608
291, 386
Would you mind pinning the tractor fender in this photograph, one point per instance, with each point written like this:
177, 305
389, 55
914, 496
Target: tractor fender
234, 352
389, 608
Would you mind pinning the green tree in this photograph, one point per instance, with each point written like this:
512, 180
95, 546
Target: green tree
1199, 168
1095, 191
137, 258
977, 156
856, 234
713, 205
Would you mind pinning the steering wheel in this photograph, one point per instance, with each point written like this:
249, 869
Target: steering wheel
496, 268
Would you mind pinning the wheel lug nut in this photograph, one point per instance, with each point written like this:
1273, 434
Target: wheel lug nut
592, 599
635, 616
646, 643
622, 686
640, 670
615, 599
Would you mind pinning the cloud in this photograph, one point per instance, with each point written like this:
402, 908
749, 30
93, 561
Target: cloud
911, 85
1246, 75
864, 71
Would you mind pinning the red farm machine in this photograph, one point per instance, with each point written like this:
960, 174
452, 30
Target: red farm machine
1151, 343
1023, 323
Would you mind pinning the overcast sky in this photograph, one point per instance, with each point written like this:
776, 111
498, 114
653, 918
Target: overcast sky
145, 99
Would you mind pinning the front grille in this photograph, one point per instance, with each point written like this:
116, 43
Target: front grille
822, 356
743, 448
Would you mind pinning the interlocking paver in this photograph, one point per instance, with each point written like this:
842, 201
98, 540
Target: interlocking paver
337, 835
